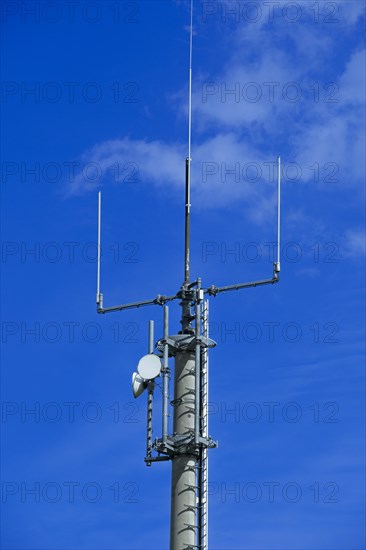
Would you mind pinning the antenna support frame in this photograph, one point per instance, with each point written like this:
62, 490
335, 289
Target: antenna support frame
187, 447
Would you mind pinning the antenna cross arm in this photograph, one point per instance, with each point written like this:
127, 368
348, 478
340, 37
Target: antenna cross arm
214, 290
159, 300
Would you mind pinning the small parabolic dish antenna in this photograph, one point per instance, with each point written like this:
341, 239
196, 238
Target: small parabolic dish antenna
149, 366
139, 385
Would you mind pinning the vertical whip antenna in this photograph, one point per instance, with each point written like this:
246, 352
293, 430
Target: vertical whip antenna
99, 296
190, 84
278, 264
188, 162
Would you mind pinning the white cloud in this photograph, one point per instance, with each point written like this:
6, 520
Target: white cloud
224, 170
232, 131
350, 11
337, 133
129, 160
354, 243
353, 82
336, 145
244, 95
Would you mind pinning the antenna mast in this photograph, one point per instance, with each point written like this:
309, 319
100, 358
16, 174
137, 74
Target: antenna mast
185, 444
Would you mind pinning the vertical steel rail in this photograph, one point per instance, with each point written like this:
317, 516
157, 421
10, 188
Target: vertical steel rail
203, 480
197, 399
165, 376
150, 399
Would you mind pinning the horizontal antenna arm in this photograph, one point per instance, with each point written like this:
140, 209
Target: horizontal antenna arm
159, 300
214, 290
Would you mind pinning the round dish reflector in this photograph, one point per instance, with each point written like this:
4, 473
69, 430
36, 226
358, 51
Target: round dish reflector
149, 366
138, 385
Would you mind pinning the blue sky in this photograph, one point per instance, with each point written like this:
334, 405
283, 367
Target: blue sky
108, 111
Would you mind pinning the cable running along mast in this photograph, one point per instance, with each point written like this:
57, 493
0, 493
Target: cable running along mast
185, 444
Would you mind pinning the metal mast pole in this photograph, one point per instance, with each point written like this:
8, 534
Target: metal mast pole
183, 495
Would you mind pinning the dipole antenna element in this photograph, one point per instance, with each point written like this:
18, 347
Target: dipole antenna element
278, 264
99, 295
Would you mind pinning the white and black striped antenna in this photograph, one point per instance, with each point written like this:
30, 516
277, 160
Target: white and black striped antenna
184, 443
